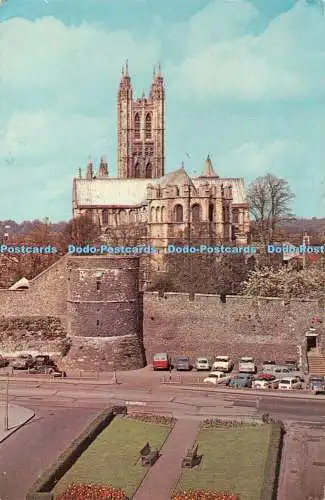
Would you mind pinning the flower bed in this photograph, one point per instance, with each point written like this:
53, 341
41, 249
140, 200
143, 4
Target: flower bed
154, 419
203, 495
92, 492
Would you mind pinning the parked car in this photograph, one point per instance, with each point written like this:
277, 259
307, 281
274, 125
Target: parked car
23, 362
240, 380
47, 370
265, 381
292, 364
268, 363
202, 364
183, 363
289, 383
222, 364
247, 365
217, 378
43, 360
161, 361
277, 370
317, 384
3, 362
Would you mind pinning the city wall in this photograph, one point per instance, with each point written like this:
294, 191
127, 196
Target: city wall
177, 323
204, 325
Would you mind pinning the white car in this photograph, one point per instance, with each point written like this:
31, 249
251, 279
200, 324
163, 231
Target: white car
222, 363
247, 365
262, 383
216, 378
202, 364
289, 383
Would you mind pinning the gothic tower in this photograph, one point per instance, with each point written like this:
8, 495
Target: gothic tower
141, 129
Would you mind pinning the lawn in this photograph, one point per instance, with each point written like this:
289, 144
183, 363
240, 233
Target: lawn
113, 458
233, 460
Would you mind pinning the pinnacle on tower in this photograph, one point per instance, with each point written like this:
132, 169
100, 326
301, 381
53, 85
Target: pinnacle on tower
208, 170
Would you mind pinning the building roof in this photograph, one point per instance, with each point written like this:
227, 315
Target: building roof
111, 191
22, 283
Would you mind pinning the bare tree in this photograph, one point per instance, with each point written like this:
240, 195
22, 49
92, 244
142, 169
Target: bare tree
269, 198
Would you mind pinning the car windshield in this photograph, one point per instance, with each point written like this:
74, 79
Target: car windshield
285, 381
202, 360
220, 358
182, 360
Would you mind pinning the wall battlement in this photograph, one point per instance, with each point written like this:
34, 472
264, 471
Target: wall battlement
178, 323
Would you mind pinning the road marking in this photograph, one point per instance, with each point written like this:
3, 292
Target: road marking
135, 403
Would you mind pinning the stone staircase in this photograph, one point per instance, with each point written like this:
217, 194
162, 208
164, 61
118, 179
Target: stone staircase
316, 363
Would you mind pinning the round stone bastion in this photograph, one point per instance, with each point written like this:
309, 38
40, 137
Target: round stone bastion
104, 314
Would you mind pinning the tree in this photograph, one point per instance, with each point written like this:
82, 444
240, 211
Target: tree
269, 198
81, 231
285, 282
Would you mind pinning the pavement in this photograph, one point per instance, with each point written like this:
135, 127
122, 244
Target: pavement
163, 476
60, 404
17, 416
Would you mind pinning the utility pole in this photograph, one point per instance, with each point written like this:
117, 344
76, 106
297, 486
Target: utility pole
6, 417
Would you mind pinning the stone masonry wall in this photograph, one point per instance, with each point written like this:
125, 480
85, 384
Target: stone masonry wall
266, 328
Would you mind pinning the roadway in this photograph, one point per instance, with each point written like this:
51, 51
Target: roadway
63, 408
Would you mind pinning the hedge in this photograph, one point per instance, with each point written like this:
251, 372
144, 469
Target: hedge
273, 461
42, 488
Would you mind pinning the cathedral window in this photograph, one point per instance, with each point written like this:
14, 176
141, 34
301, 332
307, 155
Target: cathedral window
176, 191
196, 213
157, 214
137, 171
211, 213
152, 214
149, 171
105, 216
148, 126
162, 214
178, 213
137, 126
235, 216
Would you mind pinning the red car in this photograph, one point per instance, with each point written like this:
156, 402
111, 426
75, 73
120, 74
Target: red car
161, 361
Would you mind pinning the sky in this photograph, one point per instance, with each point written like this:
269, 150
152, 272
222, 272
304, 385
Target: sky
245, 83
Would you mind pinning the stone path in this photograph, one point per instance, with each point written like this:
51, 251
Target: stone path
163, 476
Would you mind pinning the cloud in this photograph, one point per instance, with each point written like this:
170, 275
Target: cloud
240, 90
285, 61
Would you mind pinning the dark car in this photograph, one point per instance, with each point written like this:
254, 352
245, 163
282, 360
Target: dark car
23, 362
43, 360
241, 380
3, 362
317, 384
183, 363
47, 370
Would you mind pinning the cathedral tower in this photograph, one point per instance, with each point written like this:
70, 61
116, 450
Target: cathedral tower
141, 129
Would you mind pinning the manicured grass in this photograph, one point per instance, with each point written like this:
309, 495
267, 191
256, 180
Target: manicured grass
113, 458
233, 460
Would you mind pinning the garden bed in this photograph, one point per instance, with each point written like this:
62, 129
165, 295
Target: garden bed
235, 460
113, 457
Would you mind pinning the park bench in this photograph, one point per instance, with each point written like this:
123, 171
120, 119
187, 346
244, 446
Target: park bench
191, 458
148, 456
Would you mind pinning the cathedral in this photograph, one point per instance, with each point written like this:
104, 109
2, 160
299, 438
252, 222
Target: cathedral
170, 206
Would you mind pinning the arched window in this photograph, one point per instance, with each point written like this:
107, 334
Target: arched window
235, 216
178, 213
105, 216
149, 171
196, 213
137, 171
176, 191
157, 214
131, 216
137, 126
211, 213
162, 214
122, 217
152, 214
148, 126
